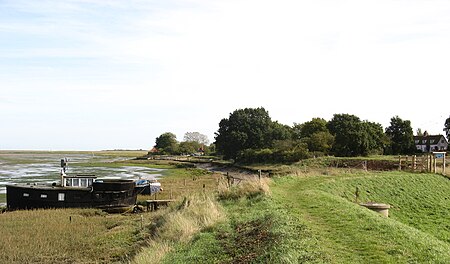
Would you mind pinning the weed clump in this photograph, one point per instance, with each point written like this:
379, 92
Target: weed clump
251, 188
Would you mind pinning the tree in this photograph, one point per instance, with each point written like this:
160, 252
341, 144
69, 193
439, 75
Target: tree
374, 140
249, 128
401, 136
347, 131
321, 141
196, 137
316, 125
447, 128
189, 147
315, 134
167, 143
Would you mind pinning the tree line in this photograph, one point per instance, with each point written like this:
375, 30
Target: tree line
250, 135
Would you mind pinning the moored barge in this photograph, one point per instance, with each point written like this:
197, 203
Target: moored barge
84, 191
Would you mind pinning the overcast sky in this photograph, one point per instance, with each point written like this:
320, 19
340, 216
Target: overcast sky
94, 74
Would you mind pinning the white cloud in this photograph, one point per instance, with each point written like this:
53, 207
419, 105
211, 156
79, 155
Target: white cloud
186, 64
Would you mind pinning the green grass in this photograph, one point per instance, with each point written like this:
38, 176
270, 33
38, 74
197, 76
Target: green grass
421, 201
350, 233
257, 230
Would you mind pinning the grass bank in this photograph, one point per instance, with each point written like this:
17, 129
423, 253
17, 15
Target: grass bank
256, 230
349, 233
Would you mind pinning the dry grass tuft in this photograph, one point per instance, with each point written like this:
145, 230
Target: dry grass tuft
179, 224
248, 188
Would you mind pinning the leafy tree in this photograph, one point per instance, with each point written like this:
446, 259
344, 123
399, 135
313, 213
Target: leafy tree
401, 136
316, 125
316, 134
280, 132
447, 128
347, 130
189, 147
321, 141
167, 143
374, 140
196, 137
249, 128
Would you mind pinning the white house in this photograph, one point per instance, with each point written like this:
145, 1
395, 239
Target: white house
428, 143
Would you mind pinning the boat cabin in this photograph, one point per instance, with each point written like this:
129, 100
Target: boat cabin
83, 181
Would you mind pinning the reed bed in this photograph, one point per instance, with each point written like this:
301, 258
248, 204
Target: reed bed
66, 236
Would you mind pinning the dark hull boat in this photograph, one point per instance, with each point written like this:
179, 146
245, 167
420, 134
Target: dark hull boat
83, 191
105, 194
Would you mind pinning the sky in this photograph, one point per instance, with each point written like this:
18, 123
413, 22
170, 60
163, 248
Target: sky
95, 74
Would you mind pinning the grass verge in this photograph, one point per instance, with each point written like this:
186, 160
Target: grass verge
350, 233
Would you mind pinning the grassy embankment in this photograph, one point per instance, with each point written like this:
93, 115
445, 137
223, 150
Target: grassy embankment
312, 218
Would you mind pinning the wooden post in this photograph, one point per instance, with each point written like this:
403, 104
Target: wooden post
429, 163
414, 163
399, 162
406, 162
434, 164
259, 175
443, 165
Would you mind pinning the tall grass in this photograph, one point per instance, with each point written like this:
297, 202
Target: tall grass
248, 188
67, 236
178, 224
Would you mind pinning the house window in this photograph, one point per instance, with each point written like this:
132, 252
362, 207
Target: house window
417, 141
26, 195
43, 196
61, 196
424, 141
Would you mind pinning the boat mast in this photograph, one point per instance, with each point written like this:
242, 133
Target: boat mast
64, 166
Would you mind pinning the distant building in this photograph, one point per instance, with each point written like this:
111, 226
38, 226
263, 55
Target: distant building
429, 143
153, 150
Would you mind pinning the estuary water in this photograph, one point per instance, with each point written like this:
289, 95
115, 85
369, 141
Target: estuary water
45, 168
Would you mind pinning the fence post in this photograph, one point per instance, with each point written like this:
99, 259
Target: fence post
399, 162
434, 164
414, 163
443, 164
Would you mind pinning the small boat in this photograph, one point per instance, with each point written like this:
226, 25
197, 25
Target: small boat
149, 186
83, 190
